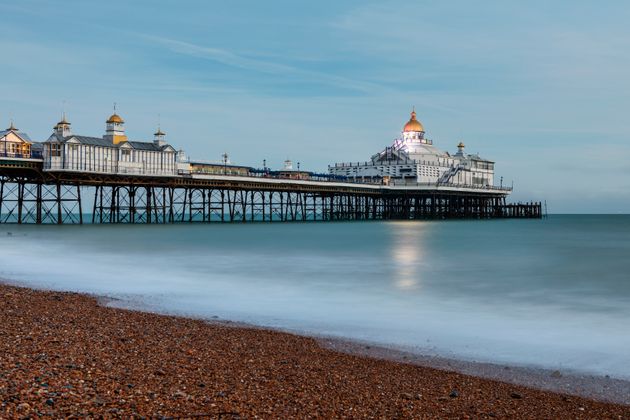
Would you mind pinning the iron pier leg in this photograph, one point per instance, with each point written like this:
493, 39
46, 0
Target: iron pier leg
96, 189
148, 204
59, 213
80, 205
1, 196
38, 217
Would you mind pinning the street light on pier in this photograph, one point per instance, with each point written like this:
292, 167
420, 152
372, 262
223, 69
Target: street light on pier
225, 162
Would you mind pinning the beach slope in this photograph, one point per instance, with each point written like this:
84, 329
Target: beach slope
63, 354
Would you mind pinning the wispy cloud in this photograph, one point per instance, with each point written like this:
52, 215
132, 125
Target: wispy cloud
219, 55
235, 60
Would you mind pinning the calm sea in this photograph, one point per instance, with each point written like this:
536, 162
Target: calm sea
551, 293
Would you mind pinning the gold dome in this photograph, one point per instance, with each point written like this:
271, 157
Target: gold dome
413, 124
115, 118
461, 144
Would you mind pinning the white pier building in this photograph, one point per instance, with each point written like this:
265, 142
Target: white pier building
113, 153
413, 159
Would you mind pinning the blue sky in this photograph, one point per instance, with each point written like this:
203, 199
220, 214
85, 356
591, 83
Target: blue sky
542, 88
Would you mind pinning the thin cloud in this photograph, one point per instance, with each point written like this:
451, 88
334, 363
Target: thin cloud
229, 58
220, 56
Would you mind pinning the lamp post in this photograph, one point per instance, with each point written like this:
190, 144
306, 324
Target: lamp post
225, 161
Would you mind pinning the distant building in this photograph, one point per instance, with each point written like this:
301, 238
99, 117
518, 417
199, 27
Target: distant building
112, 153
412, 158
15, 144
288, 172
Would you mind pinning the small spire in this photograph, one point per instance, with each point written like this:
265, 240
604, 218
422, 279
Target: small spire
413, 113
12, 127
63, 121
159, 131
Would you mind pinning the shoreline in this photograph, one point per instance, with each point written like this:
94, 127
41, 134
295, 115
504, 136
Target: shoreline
594, 386
566, 382
65, 354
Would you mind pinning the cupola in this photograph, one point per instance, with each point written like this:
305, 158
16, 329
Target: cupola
158, 138
460, 148
413, 131
62, 128
413, 125
115, 128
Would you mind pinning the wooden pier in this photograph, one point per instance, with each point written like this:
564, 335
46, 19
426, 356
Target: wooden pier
30, 195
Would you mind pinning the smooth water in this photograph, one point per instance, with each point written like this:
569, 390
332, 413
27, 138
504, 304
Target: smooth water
552, 293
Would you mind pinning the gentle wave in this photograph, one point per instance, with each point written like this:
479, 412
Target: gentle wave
550, 293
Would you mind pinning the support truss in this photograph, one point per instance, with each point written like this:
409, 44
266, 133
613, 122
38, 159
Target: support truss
31, 200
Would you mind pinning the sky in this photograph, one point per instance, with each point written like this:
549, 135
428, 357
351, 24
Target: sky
542, 88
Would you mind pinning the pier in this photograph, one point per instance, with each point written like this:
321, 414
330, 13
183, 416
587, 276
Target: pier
31, 195
75, 179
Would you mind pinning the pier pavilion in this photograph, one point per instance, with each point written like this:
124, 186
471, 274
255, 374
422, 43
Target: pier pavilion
413, 158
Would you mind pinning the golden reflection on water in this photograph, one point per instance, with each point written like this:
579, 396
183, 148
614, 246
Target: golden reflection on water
407, 253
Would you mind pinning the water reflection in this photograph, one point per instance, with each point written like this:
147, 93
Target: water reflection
408, 254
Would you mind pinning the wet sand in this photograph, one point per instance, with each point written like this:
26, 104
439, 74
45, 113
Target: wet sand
63, 355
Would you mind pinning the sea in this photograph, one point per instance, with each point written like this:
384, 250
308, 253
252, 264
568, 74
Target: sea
551, 293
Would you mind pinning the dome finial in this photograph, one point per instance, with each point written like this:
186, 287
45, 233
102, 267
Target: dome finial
63, 123
413, 124
63, 112
63, 119
115, 118
159, 132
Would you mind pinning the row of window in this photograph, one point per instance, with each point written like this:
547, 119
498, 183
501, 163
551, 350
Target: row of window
483, 165
8, 147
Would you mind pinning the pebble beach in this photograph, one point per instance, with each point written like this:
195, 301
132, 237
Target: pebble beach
64, 355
